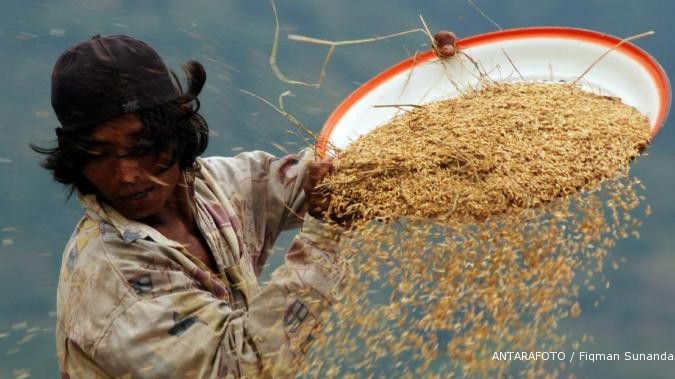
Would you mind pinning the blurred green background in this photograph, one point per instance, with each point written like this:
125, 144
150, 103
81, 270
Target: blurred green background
233, 40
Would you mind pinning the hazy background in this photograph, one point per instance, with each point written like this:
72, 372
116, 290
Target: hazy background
233, 39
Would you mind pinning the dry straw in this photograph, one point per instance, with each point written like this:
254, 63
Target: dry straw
499, 148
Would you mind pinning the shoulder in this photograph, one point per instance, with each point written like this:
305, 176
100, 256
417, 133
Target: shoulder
252, 165
242, 164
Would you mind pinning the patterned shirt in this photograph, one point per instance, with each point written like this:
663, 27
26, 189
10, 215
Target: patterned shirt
133, 304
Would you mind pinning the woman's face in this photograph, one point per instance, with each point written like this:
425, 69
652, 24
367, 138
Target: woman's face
136, 185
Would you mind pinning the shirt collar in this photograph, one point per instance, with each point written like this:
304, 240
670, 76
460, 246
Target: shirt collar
128, 230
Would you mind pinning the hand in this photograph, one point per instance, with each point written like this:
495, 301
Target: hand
317, 200
446, 44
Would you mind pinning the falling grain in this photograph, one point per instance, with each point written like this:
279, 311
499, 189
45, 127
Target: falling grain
477, 222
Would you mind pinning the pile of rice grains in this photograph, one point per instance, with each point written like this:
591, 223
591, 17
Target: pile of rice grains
476, 223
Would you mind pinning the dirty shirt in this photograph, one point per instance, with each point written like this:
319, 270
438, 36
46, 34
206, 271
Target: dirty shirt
134, 304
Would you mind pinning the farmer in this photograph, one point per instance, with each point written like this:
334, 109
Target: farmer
160, 277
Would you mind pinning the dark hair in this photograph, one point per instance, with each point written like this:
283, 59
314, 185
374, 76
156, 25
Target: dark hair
175, 126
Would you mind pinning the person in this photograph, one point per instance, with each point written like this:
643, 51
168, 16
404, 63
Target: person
160, 276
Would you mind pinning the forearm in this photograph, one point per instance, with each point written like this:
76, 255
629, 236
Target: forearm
291, 308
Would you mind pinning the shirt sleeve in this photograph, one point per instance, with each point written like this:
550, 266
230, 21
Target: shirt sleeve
179, 330
266, 193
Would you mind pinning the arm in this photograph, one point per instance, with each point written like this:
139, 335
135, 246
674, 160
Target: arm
266, 194
179, 330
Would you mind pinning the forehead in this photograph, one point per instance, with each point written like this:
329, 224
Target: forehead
117, 129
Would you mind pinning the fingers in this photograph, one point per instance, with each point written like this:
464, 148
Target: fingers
446, 51
316, 172
445, 37
319, 200
445, 43
318, 203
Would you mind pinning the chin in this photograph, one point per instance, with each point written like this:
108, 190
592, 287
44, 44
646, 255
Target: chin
136, 214
139, 210
144, 208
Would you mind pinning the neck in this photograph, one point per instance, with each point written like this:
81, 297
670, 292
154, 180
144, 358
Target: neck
177, 209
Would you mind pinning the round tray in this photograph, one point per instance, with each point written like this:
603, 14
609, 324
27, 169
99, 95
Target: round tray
556, 54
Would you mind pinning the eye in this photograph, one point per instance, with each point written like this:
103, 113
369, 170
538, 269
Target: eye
89, 152
142, 148
97, 155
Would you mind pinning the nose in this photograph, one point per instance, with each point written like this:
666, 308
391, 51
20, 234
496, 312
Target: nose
128, 170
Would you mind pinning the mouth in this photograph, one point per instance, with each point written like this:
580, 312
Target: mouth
135, 196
